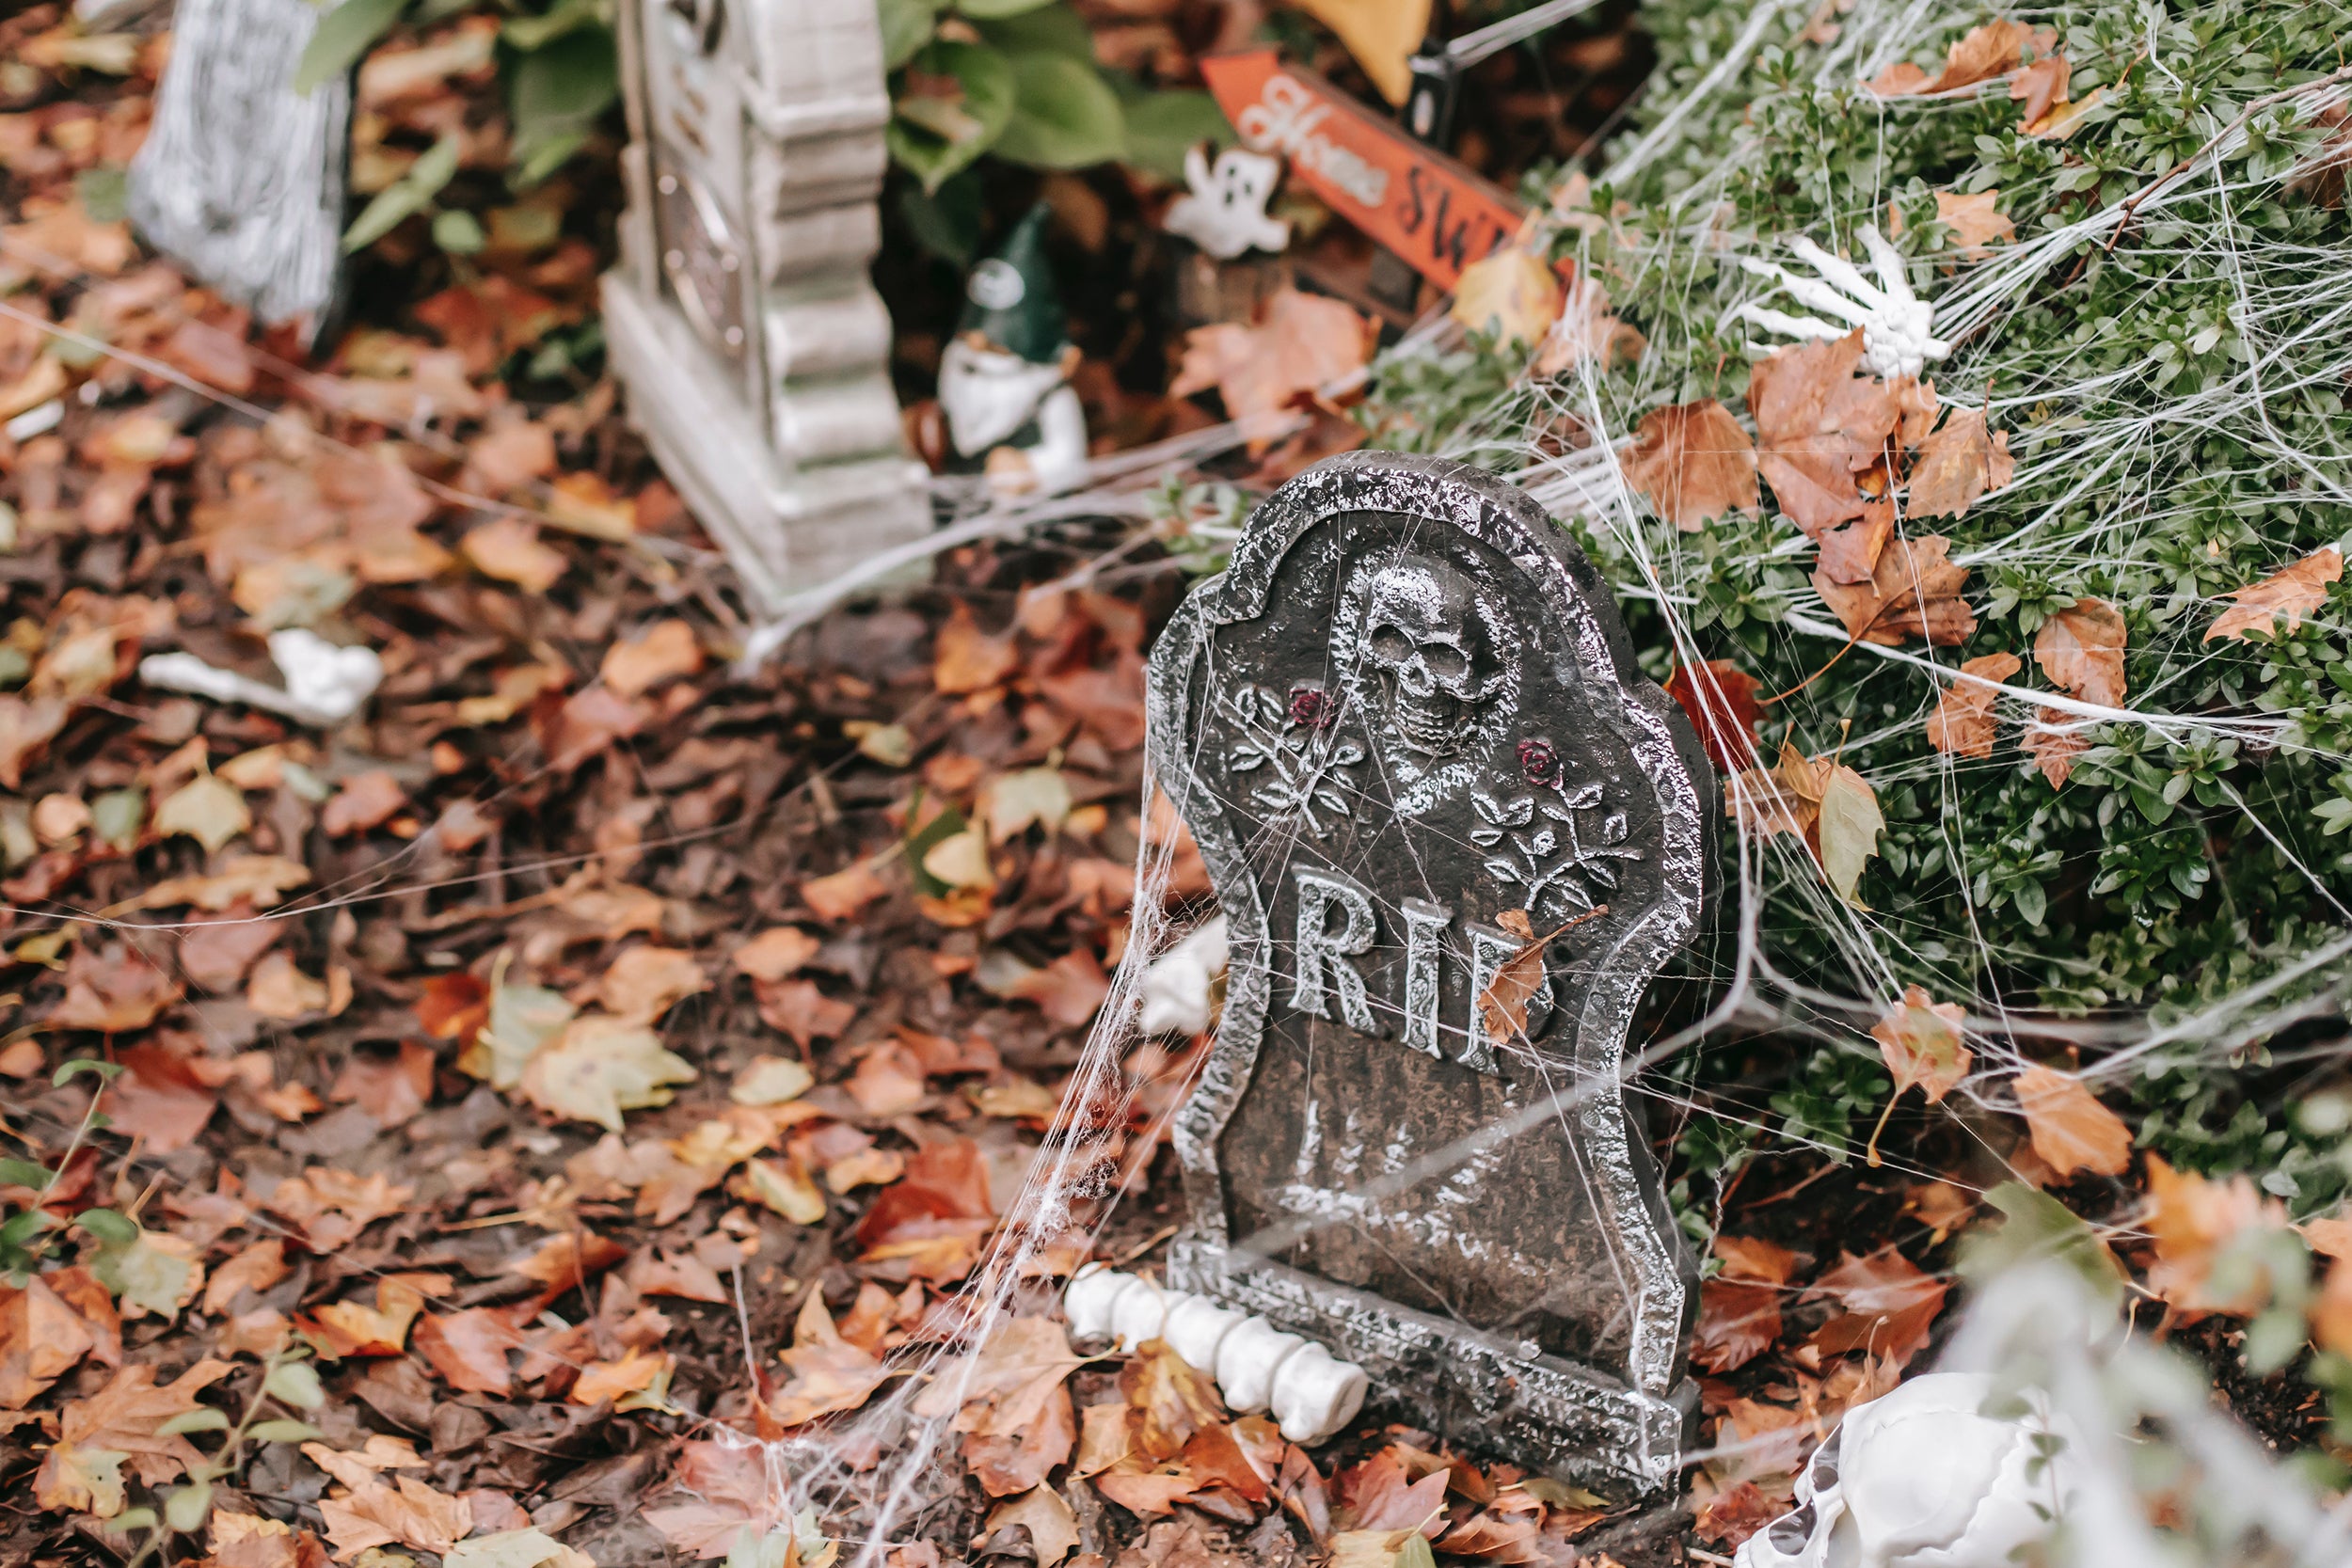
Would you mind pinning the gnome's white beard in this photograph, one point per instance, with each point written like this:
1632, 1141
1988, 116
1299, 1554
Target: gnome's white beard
987, 393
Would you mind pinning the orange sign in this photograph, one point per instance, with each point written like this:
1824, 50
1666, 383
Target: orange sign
1431, 210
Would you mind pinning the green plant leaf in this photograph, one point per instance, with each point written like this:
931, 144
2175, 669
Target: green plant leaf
946, 222
1051, 29
283, 1432
132, 1518
555, 95
458, 232
24, 1173
202, 1418
2040, 1228
295, 1383
108, 1227
343, 37
954, 101
411, 193
983, 11
528, 32
906, 26
1065, 115
1162, 126
66, 1074
186, 1508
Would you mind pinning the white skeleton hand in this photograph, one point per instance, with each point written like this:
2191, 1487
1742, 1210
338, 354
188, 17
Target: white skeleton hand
1898, 327
1225, 214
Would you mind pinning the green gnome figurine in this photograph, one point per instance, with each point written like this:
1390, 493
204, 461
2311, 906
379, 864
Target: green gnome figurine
1004, 381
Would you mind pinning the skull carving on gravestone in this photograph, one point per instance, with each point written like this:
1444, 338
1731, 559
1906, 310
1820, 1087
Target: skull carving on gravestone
1432, 668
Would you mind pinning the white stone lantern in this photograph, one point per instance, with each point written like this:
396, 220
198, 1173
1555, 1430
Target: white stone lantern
741, 318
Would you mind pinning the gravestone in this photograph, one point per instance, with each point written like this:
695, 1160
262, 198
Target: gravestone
1407, 709
242, 180
741, 319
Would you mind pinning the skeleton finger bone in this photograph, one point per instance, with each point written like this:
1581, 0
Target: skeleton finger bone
1312, 1393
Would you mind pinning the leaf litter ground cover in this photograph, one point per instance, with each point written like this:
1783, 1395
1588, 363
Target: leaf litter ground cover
500, 1103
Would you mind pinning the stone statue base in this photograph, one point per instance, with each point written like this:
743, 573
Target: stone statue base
784, 531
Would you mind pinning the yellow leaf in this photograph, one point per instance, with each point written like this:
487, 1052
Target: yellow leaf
770, 1081
599, 1066
1920, 1040
960, 860
1848, 828
782, 1187
206, 809
1513, 294
1382, 35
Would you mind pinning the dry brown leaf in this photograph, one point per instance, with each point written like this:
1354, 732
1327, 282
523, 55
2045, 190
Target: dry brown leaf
665, 651
468, 1349
2296, 591
2081, 651
1963, 723
1502, 1005
643, 983
2195, 1220
510, 549
1052, 1530
776, 952
1738, 1321
368, 800
1991, 49
2071, 1130
40, 1339
636, 1371
1958, 465
2064, 119
1720, 699
347, 1328
1820, 421
1693, 462
842, 894
829, 1374
1299, 344
160, 1099
391, 1089
801, 1010
1889, 1306
599, 1066
1916, 591
408, 1514
1586, 333
257, 1267
111, 989
120, 1420
1975, 220
731, 1490
2041, 87
1920, 1040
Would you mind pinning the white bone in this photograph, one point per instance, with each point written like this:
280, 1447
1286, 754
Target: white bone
1094, 1292
325, 684
1196, 1326
1898, 327
1247, 1360
1838, 273
1312, 1393
1138, 1313
1315, 1394
1176, 987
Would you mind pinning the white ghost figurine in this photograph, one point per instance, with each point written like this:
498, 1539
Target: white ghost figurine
1923, 1479
1225, 212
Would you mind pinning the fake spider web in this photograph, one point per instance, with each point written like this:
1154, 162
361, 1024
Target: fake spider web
2093, 449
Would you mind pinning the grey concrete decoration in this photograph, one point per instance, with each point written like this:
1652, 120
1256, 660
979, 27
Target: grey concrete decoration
753, 344
1407, 709
242, 180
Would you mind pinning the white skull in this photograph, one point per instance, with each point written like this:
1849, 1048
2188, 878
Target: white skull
1423, 632
1921, 1479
